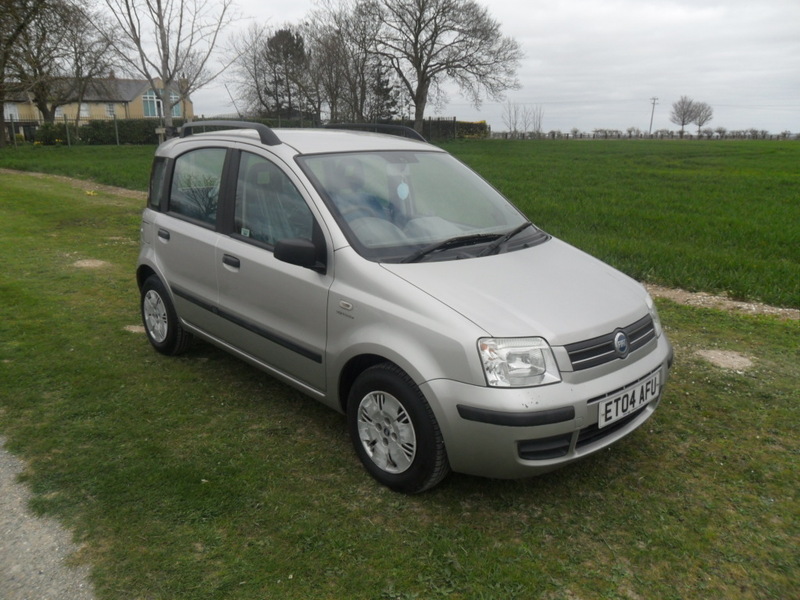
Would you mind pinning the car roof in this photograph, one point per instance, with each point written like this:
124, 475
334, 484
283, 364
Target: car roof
316, 141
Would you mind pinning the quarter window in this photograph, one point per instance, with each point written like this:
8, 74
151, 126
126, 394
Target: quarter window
157, 183
268, 206
195, 184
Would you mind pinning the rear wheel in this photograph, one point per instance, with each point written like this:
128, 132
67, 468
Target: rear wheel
394, 430
160, 319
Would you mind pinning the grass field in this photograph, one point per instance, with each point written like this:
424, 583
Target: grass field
201, 478
721, 217
716, 217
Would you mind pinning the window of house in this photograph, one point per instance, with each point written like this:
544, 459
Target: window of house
152, 104
11, 111
110, 110
154, 107
176, 108
59, 112
195, 184
84, 110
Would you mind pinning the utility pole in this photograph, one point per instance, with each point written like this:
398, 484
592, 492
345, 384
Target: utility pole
654, 100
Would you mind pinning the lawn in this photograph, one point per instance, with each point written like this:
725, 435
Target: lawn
201, 478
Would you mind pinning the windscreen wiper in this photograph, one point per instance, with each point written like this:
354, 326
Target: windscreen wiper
504, 238
462, 240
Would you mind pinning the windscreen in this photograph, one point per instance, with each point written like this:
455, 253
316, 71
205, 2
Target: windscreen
402, 206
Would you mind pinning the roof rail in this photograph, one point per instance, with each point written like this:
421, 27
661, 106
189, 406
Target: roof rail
267, 135
398, 130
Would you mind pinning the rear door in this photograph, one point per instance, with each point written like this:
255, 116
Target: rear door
185, 234
273, 311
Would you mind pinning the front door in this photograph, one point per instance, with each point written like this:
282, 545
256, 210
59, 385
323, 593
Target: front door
273, 311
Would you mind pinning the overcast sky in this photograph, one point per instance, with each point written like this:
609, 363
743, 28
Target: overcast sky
597, 63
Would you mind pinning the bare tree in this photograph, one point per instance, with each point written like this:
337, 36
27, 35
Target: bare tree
171, 41
250, 68
703, 114
16, 15
358, 83
38, 63
533, 119
684, 111
429, 41
327, 66
58, 57
511, 116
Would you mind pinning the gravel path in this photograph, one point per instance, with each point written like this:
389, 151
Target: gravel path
33, 551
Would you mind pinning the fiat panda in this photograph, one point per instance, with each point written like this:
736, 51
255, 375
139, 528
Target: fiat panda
384, 278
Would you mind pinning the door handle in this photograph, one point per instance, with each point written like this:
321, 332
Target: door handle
231, 261
163, 234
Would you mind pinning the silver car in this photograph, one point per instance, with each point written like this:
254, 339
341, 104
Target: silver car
387, 280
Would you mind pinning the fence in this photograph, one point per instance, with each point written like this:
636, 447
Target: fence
95, 132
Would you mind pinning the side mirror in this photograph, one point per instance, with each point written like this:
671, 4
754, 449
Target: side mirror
300, 252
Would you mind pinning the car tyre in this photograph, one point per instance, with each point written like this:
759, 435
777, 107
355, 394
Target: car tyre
394, 430
160, 320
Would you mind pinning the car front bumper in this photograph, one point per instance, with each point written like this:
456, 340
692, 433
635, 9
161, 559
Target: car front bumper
511, 433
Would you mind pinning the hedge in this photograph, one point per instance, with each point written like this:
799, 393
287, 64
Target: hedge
143, 131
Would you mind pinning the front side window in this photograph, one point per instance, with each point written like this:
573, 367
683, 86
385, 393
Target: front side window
195, 184
408, 206
268, 206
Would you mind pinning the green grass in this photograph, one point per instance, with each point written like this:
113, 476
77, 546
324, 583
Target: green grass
201, 478
121, 166
720, 217
716, 217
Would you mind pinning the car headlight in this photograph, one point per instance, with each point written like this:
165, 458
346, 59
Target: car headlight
654, 315
518, 362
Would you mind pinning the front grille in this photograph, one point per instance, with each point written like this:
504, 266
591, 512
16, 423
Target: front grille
600, 350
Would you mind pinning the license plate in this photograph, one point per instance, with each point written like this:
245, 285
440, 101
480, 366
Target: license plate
629, 401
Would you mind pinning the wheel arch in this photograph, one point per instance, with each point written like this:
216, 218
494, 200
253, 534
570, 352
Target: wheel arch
142, 273
352, 369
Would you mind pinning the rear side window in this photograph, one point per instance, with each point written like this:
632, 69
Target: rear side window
195, 184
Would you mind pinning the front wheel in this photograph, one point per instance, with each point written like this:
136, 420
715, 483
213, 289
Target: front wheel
394, 430
160, 319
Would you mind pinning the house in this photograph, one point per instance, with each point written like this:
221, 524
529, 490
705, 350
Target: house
108, 98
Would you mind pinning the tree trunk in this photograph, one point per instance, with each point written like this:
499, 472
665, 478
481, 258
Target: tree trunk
420, 102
